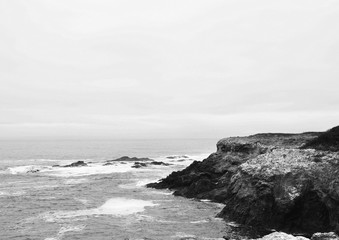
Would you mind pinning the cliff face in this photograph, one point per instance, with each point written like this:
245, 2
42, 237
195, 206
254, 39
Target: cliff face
328, 141
266, 180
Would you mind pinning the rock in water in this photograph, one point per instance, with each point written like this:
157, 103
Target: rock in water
130, 159
139, 165
77, 164
266, 180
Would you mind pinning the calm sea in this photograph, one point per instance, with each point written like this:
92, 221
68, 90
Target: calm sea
41, 200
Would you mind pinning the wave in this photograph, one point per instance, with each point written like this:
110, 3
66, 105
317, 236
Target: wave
65, 229
99, 167
60, 171
113, 206
26, 169
91, 169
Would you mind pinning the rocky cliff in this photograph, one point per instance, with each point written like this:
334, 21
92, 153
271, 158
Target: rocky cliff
268, 181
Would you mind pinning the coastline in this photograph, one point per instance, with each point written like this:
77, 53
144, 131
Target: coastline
273, 182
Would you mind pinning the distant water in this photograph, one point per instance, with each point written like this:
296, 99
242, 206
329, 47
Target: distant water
39, 201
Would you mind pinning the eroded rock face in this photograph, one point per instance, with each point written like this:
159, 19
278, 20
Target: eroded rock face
285, 189
266, 180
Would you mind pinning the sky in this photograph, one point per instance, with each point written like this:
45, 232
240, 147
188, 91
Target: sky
102, 69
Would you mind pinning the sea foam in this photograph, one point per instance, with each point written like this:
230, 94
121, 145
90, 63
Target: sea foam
91, 169
113, 206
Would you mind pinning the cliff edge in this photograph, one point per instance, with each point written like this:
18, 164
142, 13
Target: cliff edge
273, 181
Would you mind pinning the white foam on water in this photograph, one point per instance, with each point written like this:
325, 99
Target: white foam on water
137, 184
183, 235
162, 192
200, 221
113, 206
24, 169
142, 183
91, 169
65, 229
233, 224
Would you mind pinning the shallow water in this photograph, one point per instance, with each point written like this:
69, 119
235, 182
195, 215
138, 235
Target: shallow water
99, 202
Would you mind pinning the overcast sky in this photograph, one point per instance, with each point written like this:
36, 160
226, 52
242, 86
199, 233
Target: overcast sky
167, 69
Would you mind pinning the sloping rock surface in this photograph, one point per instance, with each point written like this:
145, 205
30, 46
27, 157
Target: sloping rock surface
266, 180
327, 141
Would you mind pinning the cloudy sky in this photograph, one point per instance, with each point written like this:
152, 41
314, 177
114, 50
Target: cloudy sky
167, 69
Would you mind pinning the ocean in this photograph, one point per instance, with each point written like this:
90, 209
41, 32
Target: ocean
41, 199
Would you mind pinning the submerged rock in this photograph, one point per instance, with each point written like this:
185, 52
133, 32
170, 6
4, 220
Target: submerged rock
267, 181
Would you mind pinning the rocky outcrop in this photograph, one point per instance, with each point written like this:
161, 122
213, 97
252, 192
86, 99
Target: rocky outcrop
138, 162
327, 141
267, 181
76, 164
130, 159
147, 164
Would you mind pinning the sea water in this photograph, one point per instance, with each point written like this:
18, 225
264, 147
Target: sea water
39, 200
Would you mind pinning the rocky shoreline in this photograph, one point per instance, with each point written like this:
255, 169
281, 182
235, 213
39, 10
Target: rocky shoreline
285, 182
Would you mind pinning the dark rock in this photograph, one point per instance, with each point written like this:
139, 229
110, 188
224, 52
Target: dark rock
139, 165
33, 171
77, 164
327, 141
266, 181
176, 157
108, 163
56, 165
130, 159
159, 163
